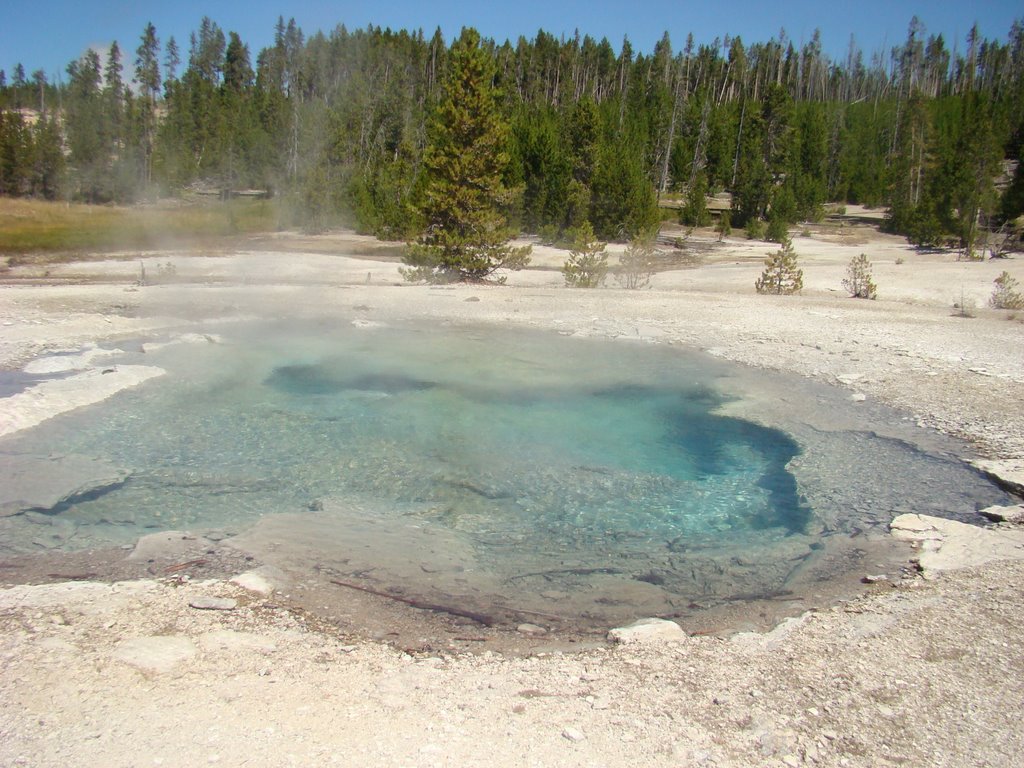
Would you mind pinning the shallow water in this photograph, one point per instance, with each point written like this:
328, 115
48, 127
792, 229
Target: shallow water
585, 478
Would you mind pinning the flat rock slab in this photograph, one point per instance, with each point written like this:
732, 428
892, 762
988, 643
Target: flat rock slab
350, 537
168, 545
1009, 473
159, 653
648, 631
45, 483
210, 603
1011, 514
948, 544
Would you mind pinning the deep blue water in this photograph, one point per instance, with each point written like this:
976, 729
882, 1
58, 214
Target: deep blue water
537, 450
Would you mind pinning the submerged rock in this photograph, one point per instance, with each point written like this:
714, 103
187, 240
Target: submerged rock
167, 544
49, 484
947, 544
1007, 473
1011, 514
646, 631
530, 629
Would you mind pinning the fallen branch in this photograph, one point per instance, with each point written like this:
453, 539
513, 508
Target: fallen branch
565, 572
72, 576
750, 597
524, 612
479, 618
183, 566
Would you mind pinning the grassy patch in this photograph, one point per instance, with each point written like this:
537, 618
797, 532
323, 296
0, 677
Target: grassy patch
31, 226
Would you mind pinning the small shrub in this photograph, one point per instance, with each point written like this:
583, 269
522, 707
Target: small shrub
754, 229
781, 275
636, 265
858, 279
587, 265
899, 260
1006, 294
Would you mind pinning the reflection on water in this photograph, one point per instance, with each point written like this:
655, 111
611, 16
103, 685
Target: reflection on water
587, 478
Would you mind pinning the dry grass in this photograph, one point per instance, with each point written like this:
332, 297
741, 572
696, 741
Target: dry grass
58, 231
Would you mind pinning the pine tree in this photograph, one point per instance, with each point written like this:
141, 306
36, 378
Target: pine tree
172, 58
86, 127
582, 125
123, 178
638, 263
113, 87
858, 280
751, 178
147, 75
808, 164
15, 148
238, 74
781, 275
978, 162
48, 158
467, 234
1006, 294
724, 225
623, 201
587, 264
695, 212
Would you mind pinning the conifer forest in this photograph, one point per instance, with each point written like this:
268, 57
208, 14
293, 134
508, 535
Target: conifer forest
336, 127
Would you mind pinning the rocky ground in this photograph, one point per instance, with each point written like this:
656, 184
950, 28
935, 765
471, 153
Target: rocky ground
927, 673
155, 672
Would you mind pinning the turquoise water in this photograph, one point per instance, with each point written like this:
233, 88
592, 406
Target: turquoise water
538, 454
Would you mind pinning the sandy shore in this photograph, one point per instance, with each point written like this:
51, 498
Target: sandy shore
917, 671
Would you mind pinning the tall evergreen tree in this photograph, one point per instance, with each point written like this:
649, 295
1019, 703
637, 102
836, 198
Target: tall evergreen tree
147, 76
15, 149
467, 232
87, 131
238, 74
48, 158
172, 58
978, 156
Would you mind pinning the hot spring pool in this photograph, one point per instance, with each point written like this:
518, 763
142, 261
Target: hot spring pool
594, 480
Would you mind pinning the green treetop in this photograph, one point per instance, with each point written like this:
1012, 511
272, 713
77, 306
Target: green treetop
467, 233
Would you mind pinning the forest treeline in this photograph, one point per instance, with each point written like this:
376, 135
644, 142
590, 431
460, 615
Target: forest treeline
334, 125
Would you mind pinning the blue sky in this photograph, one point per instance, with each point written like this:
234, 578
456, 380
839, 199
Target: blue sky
50, 33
